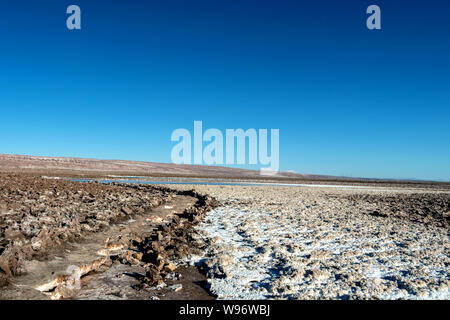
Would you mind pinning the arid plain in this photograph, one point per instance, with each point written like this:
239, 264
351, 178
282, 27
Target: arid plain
70, 233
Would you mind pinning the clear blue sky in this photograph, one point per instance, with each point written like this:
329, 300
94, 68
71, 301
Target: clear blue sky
347, 100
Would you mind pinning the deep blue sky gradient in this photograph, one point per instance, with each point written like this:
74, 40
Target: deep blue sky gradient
347, 100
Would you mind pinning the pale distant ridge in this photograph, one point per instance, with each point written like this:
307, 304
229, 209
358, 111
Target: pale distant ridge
98, 167
19, 163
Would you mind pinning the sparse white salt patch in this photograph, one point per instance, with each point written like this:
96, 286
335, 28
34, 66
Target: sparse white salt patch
305, 244
275, 256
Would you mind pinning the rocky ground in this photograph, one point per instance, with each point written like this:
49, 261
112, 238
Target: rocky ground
313, 243
74, 240
56, 233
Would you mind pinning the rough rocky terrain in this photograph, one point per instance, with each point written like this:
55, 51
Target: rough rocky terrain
310, 243
56, 233
427, 208
63, 239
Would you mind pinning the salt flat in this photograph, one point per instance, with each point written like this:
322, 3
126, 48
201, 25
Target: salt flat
324, 243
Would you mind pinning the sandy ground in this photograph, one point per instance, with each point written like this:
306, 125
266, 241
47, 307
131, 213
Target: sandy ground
319, 243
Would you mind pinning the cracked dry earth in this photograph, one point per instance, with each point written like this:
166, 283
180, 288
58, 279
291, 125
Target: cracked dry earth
72, 240
311, 243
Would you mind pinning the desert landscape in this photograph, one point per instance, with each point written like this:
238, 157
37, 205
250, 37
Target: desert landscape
325, 243
225, 158
69, 230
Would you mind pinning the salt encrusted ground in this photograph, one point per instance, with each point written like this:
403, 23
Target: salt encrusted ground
305, 243
275, 242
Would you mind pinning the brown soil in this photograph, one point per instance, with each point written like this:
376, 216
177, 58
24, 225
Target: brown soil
427, 208
38, 215
48, 225
194, 284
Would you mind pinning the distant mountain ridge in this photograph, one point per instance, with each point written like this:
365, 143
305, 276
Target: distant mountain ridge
97, 167
19, 163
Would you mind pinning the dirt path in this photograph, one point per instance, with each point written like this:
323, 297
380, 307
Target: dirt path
134, 259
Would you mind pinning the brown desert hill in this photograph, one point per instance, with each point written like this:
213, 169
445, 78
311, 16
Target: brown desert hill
96, 168
80, 166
